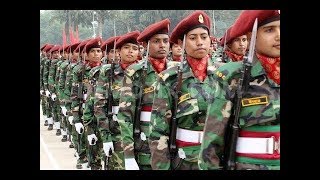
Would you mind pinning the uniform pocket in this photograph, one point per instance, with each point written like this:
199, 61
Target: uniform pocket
187, 107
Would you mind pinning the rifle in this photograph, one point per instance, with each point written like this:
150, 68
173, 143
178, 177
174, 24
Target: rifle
136, 120
232, 131
224, 46
174, 123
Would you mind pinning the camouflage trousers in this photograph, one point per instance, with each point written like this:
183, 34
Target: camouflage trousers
79, 141
94, 152
55, 111
247, 166
116, 161
43, 100
48, 108
190, 162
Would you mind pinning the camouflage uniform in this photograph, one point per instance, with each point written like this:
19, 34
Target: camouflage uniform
43, 98
191, 113
127, 110
48, 109
109, 128
254, 118
75, 106
90, 122
60, 117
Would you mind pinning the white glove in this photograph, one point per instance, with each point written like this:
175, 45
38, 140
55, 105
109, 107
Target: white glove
64, 110
131, 164
79, 128
48, 94
41, 92
92, 137
106, 148
53, 96
70, 119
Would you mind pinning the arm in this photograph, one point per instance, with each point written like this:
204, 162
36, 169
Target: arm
159, 128
75, 104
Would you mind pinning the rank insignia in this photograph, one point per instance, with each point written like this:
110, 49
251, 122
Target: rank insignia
254, 101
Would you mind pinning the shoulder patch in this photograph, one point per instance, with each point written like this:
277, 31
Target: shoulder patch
168, 72
228, 71
94, 70
134, 68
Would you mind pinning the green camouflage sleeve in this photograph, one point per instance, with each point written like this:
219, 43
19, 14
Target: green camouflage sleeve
41, 73
62, 81
101, 104
56, 80
51, 77
67, 89
159, 127
46, 73
88, 114
75, 102
126, 114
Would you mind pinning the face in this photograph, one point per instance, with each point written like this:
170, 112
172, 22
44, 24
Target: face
141, 48
197, 43
116, 55
65, 55
75, 55
268, 39
129, 53
55, 55
94, 55
239, 45
176, 50
159, 46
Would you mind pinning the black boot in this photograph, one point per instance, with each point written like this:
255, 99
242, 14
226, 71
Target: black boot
64, 138
46, 123
71, 145
79, 166
58, 133
50, 127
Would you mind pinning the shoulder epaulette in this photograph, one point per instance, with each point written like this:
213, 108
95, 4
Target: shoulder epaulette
228, 71
134, 68
164, 75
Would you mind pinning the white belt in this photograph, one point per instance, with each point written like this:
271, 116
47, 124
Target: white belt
84, 97
189, 135
145, 116
257, 145
115, 109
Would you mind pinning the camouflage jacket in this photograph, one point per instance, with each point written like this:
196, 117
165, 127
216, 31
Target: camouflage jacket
191, 110
127, 105
46, 68
108, 133
257, 116
89, 119
67, 88
57, 76
52, 75
62, 81
76, 101
42, 62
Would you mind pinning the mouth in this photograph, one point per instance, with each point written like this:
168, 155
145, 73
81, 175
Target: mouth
277, 46
162, 52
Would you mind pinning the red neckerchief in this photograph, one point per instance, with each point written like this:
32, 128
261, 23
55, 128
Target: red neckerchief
199, 67
94, 64
139, 57
234, 57
158, 64
271, 66
177, 58
125, 65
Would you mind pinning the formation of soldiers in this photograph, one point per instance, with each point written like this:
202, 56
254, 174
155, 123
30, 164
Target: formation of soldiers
185, 101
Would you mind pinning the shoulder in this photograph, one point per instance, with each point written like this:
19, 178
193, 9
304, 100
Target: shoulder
172, 64
132, 69
168, 73
104, 68
94, 70
228, 71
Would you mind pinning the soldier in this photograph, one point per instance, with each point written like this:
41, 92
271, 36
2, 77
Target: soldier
107, 102
137, 95
236, 45
258, 144
181, 98
42, 91
94, 148
213, 47
46, 65
112, 54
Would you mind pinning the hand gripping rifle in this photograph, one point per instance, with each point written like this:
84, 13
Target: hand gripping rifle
233, 127
174, 123
110, 96
136, 120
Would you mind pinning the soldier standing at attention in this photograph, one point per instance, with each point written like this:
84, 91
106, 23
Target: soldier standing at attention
176, 52
137, 93
257, 146
43, 98
107, 103
181, 98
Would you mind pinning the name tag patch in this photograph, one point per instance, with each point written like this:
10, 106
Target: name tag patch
148, 89
254, 101
115, 87
184, 98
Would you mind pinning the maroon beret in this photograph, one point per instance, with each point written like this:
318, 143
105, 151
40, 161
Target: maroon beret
245, 21
93, 43
48, 47
226, 36
55, 48
80, 47
73, 46
109, 43
43, 47
196, 19
64, 48
161, 27
130, 37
